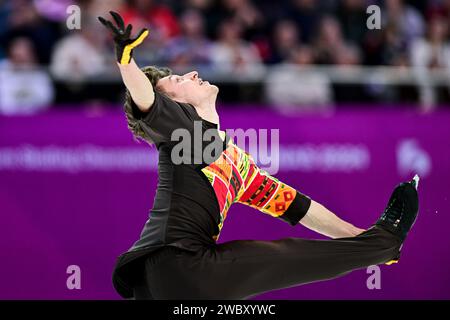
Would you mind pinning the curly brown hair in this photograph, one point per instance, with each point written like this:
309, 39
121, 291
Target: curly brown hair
153, 73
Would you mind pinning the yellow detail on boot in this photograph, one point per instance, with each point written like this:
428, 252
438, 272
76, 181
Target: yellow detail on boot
391, 262
127, 50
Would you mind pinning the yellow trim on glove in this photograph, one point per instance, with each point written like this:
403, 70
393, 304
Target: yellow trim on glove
126, 55
391, 262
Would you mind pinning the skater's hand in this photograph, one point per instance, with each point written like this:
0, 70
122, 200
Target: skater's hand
122, 37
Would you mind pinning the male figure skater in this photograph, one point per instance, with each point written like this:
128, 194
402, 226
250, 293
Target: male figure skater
177, 256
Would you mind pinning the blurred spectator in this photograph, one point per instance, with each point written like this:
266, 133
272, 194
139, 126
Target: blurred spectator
252, 22
329, 40
82, 53
207, 8
233, 55
295, 85
272, 11
393, 44
54, 10
431, 53
23, 20
201, 5
161, 21
439, 9
409, 22
347, 55
306, 14
24, 88
372, 46
95, 8
243, 12
246, 13
352, 15
286, 37
5, 9
191, 49
223, 37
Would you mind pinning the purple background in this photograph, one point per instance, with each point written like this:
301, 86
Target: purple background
53, 217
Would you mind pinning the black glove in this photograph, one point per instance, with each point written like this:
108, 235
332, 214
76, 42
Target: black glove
124, 45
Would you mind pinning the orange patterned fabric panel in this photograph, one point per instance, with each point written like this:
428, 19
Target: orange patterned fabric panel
235, 177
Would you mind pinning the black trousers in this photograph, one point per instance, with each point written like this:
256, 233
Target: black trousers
243, 268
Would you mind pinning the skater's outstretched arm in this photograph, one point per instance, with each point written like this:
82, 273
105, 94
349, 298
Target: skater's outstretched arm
137, 83
320, 219
139, 86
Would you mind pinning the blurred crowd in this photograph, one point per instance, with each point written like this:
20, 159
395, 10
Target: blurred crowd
218, 38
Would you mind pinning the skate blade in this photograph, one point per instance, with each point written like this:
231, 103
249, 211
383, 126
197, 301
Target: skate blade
415, 181
391, 262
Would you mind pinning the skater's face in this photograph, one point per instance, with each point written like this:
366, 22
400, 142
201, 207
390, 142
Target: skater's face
188, 88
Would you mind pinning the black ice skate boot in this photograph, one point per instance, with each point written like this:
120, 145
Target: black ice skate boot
401, 211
